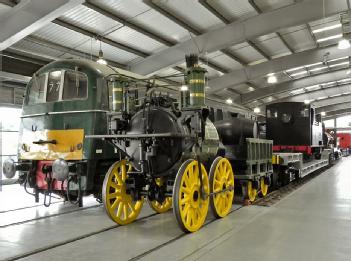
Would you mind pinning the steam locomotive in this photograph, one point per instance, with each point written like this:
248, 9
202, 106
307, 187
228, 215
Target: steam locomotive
167, 151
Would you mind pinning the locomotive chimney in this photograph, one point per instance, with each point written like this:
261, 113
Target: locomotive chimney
116, 91
195, 78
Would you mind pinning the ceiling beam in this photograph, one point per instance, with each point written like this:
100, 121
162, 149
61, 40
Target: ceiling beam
293, 85
333, 101
192, 30
314, 95
338, 113
259, 11
64, 49
334, 107
130, 24
257, 49
211, 9
240, 31
26, 58
28, 16
101, 38
13, 77
276, 65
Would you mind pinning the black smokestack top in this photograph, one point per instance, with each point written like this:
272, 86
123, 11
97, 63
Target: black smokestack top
191, 60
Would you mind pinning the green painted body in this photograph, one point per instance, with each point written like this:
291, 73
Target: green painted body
90, 114
196, 80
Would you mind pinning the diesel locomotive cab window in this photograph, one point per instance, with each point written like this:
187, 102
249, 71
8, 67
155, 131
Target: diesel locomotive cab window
36, 92
53, 87
74, 86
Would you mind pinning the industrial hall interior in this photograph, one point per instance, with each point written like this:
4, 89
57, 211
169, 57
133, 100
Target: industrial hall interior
175, 130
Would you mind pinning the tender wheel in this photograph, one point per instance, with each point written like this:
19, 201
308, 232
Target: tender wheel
249, 192
119, 204
190, 207
160, 207
221, 178
264, 187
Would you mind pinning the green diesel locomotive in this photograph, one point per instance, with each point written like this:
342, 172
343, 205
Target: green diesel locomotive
64, 101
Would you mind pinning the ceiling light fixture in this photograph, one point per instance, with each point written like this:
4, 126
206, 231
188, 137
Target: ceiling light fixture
323, 113
271, 78
298, 73
344, 44
306, 101
257, 110
327, 28
229, 101
329, 38
101, 59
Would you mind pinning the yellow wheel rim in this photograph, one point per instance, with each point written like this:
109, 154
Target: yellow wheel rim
119, 205
221, 178
264, 187
165, 205
189, 207
251, 191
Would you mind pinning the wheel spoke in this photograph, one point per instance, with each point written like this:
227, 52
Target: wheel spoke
124, 172
115, 185
184, 200
119, 210
125, 211
131, 207
114, 195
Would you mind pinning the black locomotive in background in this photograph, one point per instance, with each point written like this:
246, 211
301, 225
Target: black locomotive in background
295, 127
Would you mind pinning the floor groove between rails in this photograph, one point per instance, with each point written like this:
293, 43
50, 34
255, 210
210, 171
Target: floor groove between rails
49, 216
39, 250
175, 239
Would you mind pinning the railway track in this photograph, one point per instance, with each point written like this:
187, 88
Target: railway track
27, 207
270, 200
65, 242
48, 216
144, 254
276, 195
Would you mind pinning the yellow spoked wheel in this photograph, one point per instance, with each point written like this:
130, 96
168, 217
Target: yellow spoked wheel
119, 204
221, 179
190, 205
264, 187
249, 191
165, 205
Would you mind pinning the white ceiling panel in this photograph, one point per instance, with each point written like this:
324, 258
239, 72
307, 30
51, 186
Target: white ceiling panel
110, 52
130, 37
246, 53
274, 47
226, 62
233, 9
152, 19
300, 40
193, 12
268, 5
90, 20
35, 48
126, 8
61, 35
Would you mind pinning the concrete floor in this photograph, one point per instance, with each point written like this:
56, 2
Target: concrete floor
312, 223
